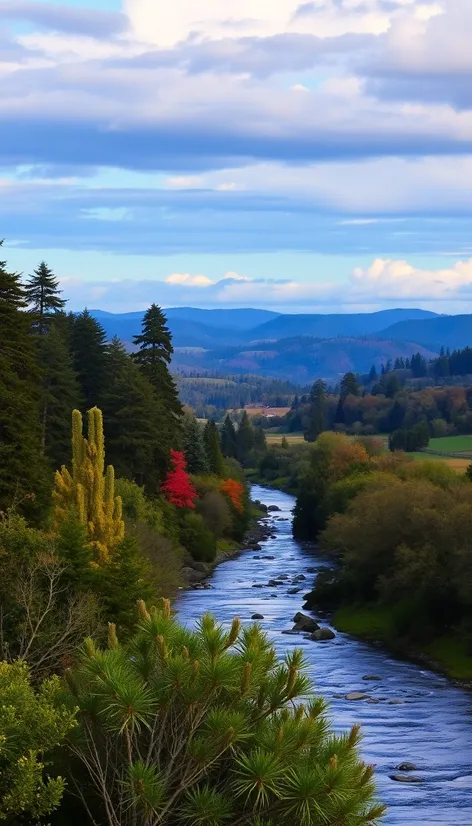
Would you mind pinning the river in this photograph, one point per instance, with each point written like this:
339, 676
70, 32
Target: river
430, 721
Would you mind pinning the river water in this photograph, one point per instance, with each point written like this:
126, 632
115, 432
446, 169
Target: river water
420, 717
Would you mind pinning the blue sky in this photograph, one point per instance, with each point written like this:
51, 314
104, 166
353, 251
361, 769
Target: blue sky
299, 156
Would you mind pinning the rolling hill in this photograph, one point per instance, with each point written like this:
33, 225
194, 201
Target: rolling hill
454, 331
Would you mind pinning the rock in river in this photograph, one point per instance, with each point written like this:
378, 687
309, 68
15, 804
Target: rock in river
356, 695
322, 635
406, 767
257, 616
406, 778
304, 623
273, 509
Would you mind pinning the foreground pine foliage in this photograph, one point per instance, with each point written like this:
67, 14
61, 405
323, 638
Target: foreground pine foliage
207, 727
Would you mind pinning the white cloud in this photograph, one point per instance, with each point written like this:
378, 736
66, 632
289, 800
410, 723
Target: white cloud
390, 279
169, 23
188, 280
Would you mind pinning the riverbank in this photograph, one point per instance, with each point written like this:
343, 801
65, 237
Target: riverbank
446, 655
194, 574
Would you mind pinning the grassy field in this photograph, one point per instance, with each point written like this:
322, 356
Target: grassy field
292, 438
459, 464
452, 444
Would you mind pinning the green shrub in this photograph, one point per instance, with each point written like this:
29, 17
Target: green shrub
197, 538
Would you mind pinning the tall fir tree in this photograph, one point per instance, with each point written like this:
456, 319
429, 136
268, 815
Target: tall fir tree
228, 438
43, 296
61, 394
211, 439
317, 411
153, 358
22, 469
244, 439
194, 448
132, 421
89, 353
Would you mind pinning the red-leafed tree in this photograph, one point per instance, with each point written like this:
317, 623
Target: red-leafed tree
234, 491
177, 487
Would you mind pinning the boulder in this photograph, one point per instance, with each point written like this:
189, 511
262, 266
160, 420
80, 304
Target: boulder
371, 677
274, 582
273, 509
304, 623
258, 585
356, 695
256, 557
191, 575
257, 616
406, 767
311, 570
267, 557
294, 591
199, 566
406, 778
254, 546
298, 578
322, 635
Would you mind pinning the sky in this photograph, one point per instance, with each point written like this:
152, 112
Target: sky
301, 156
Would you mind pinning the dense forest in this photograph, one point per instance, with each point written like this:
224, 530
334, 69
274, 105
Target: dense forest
399, 532
111, 712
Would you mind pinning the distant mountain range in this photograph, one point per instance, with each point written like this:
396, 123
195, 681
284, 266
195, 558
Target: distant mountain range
300, 347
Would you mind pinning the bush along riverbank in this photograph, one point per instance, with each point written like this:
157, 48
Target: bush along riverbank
398, 535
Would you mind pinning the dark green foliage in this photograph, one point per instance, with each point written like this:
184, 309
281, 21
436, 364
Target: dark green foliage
244, 439
349, 386
22, 468
122, 582
205, 728
61, 394
133, 420
216, 513
260, 441
154, 357
74, 550
211, 440
194, 447
228, 438
317, 411
89, 354
197, 538
468, 473
43, 296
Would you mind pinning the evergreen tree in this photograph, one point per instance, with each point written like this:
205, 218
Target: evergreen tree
22, 468
194, 447
154, 357
349, 386
43, 296
317, 411
61, 394
122, 582
211, 440
75, 551
89, 352
228, 438
244, 439
260, 441
133, 418
372, 374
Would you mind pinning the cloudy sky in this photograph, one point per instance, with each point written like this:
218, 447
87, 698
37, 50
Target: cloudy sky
293, 155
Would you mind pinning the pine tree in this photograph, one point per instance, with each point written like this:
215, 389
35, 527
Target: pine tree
317, 411
211, 441
43, 296
228, 438
89, 352
372, 374
22, 468
124, 580
75, 551
61, 394
244, 439
88, 489
132, 421
154, 356
349, 386
260, 441
194, 447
